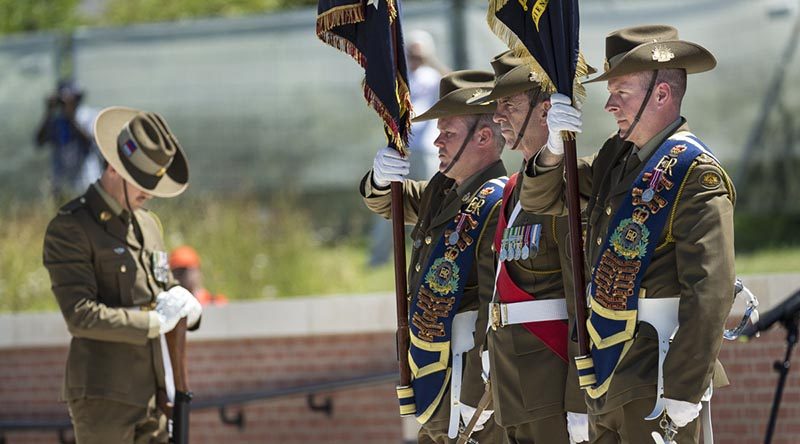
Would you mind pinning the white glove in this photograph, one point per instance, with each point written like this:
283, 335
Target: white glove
389, 166
578, 426
561, 117
169, 311
191, 307
681, 412
468, 412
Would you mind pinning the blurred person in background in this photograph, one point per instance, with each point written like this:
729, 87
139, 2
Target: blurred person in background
424, 73
185, 265
68, 128
109, 272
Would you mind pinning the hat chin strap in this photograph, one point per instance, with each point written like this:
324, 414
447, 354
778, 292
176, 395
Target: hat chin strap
531, 105
641, 108
463, 146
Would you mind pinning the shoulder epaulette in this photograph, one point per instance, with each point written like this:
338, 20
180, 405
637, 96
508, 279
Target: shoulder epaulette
71, 206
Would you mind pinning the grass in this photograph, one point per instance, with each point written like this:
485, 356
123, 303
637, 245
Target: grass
773, 260
249, 249
253, 249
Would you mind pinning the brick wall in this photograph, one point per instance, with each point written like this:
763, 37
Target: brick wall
316, 351
30, 380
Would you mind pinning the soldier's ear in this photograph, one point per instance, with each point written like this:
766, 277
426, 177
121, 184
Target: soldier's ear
484, 135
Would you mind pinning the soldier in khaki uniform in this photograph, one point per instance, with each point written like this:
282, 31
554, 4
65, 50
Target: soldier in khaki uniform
469, 146
108, 266
660, 211
533, 386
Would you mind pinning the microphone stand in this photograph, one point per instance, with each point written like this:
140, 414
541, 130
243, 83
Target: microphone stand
791, 325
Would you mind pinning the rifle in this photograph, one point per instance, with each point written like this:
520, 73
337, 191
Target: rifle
176, 344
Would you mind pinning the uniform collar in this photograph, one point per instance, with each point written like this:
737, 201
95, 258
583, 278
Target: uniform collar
465, 191
102, 209
650, 147
111, 203
496, 169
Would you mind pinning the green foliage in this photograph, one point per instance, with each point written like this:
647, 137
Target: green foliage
121, 12
249, 250
34, 15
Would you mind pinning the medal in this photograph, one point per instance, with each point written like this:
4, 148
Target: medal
647, 195
503, 244
526, 251
455, 235
517, 243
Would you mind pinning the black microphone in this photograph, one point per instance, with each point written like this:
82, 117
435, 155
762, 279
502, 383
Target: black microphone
785, 311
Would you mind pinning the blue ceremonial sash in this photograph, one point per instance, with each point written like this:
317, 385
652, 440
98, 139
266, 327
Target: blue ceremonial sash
632, 238
435, 305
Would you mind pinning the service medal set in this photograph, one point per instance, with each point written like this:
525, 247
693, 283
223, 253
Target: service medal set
520, 242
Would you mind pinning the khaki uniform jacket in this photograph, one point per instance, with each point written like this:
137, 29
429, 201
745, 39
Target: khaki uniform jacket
101, 275
529, 381
694, 260
430, 206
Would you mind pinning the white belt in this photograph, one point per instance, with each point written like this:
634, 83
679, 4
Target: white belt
169, 378
514, 313
462, 339
662, 314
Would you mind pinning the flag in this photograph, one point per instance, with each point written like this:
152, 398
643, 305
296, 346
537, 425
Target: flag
545, 33
369, 31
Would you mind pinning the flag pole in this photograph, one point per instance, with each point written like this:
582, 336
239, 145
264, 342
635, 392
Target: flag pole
576, 243
400, 285
399, 238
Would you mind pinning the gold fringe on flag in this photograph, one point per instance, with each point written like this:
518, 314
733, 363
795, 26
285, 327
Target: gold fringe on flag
518, 48
352, 14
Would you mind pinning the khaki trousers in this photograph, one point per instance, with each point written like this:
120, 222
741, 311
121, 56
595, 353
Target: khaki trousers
626, 425
101, 421
548, 430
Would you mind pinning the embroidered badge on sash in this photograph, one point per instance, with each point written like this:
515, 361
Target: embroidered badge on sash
443, 276
630, 239
626, 253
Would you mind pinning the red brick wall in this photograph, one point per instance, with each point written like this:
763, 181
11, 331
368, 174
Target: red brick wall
30, 380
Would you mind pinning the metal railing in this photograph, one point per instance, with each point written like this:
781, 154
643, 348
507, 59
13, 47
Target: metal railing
224, 403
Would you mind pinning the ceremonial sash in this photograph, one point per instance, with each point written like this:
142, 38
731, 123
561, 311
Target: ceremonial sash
552, 333
632, 238
435, 304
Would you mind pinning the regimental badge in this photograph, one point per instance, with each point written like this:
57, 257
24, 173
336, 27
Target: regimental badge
630, 239
120, 250
662, 54
160, 266
443, 276
486, 191
533, 77
710, 180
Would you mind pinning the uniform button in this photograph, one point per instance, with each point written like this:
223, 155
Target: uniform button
417, 267
608, 210
428, 240
599, 240
123, 269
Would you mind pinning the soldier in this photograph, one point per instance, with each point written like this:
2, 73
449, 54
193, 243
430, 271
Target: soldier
534, 382
659, 242
109, 272
451, 269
